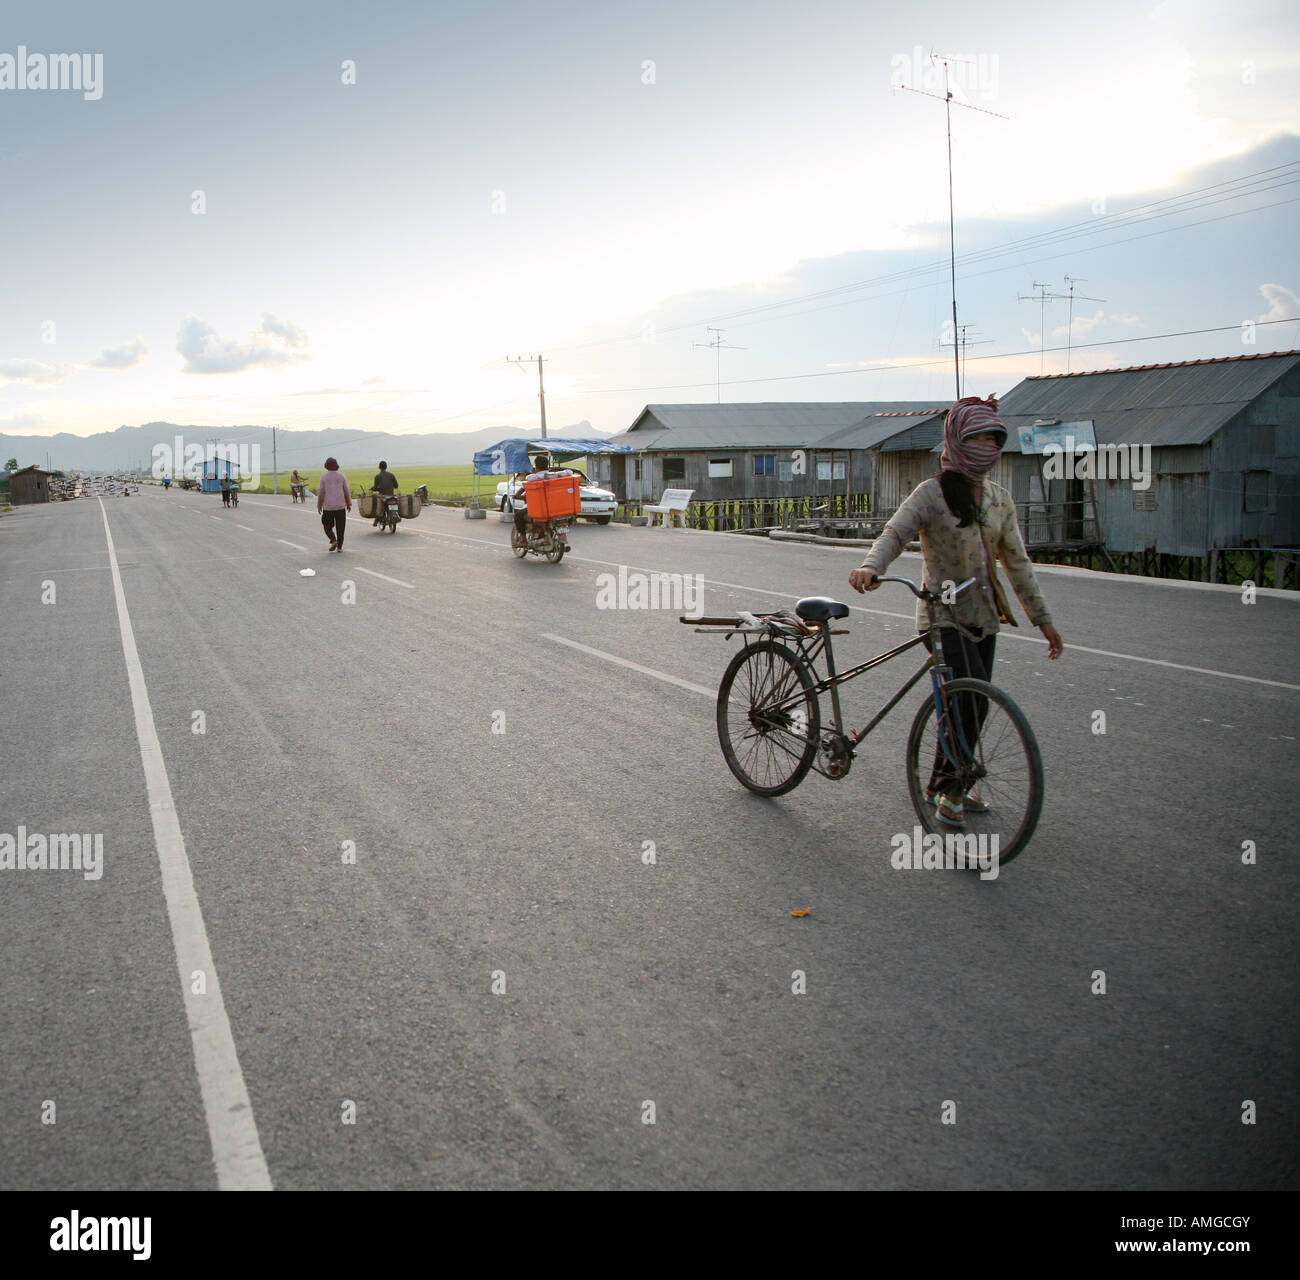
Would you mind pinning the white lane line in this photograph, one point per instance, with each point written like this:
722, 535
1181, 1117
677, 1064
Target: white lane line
294, 545
396, 581
1004, 633
632, 666
236, 1147
249, 527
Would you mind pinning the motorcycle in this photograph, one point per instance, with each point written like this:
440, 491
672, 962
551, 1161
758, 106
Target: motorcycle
389, 513
548, 539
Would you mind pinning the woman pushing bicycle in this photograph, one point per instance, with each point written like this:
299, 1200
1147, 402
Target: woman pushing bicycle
966, 523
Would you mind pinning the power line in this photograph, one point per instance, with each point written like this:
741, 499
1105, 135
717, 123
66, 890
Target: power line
923, 364
1152, 210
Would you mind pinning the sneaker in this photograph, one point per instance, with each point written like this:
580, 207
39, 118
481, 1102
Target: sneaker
972, 802
334, 546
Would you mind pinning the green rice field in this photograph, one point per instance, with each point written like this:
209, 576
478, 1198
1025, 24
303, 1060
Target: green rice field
450, 483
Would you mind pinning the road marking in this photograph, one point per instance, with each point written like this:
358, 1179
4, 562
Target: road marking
1005, 633
246, 526
236, 1147
409, 585
294, 545
632, 666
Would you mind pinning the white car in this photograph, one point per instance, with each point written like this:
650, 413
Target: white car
597, 504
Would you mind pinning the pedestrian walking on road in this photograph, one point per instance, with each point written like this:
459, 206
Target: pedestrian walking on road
966, 523
225, 491
333, 501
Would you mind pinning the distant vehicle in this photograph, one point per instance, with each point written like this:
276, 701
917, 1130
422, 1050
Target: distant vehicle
599, 505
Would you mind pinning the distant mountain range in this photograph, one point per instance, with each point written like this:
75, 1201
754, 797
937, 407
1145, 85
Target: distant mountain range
130, 447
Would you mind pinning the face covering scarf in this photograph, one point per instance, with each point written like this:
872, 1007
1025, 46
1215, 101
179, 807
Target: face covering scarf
969, 417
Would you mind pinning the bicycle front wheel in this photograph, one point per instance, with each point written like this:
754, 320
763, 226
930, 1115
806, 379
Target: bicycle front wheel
1003, 768
768, 718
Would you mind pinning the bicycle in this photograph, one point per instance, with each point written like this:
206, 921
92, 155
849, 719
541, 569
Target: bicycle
234, 496
770, 727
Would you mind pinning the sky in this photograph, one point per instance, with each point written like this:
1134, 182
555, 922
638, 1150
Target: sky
339, 215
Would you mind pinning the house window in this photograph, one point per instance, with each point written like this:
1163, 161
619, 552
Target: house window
674, 469
1256, 491
830, 470
636, 468
764, 464
785, 469
719, 468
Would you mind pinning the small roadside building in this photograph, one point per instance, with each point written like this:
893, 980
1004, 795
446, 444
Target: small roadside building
29, 485
213, 470
1191, 458
755, 452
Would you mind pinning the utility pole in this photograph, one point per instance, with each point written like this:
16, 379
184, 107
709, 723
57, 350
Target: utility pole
717, 344
541, 387
1069, 328
945, 63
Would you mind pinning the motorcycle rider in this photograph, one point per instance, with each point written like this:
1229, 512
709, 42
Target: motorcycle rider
385, 485
542, 470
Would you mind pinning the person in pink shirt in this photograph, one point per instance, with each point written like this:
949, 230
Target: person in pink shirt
333, 501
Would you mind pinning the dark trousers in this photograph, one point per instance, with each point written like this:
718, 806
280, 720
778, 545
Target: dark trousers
225, 497
334, 521
967, 658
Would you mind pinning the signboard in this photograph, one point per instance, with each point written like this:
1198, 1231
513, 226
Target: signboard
1060, 437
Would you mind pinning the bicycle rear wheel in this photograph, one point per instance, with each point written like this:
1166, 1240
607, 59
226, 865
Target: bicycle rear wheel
768, 718
1005, 769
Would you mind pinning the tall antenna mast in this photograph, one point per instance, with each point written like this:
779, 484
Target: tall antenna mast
1041, 299
717, 344
945, 62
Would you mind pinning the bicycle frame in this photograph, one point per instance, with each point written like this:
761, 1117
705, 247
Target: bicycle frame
946, 709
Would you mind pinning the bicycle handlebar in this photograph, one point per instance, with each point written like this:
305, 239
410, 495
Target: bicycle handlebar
920, 592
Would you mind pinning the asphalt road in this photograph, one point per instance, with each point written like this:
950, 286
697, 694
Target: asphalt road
499, 752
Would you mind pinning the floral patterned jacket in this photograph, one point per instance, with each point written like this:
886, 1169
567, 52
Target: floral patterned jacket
953, 554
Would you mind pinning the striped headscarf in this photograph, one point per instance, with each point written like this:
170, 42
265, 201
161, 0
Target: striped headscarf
968, 417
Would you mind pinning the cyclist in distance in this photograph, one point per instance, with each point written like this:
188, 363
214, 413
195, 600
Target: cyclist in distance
966, 523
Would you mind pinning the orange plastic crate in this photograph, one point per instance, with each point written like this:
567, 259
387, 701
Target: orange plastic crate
553, 498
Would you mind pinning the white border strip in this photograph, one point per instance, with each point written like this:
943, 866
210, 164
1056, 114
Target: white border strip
236, 1147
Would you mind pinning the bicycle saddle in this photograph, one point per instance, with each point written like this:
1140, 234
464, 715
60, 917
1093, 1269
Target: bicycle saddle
820, 609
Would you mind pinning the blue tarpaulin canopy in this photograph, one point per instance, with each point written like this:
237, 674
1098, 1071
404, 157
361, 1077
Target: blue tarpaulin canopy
511, 457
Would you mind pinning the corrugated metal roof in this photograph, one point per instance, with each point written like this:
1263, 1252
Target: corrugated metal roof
887, 426
1159, 405
798, 424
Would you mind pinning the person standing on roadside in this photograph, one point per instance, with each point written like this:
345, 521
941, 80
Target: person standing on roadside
966, 525
333, 501
225, 490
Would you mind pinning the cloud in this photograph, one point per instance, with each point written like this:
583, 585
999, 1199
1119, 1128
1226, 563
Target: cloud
35, 372
127, 356
1081, 325
1032, 339
276, 344
1282, 302
370, 382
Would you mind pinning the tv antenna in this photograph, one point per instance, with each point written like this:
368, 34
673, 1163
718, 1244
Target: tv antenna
717, 344
945, 62
962, 343
1042, 298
